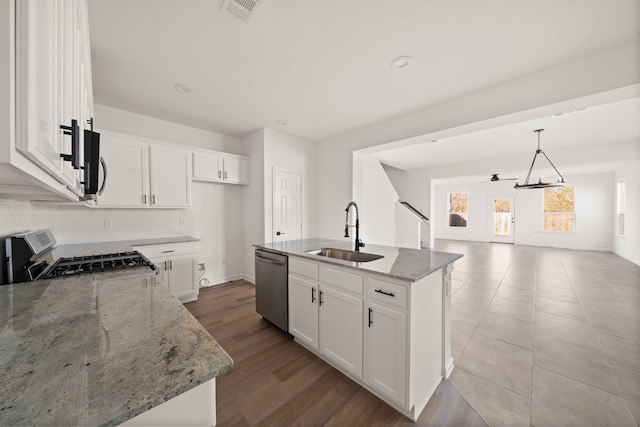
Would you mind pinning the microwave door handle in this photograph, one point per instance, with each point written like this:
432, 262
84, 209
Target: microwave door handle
104, 176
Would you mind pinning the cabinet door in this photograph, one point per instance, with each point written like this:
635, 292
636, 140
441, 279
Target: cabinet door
127, 172
170, 177
207, 167
162, 269
236, 170
39, 136
183, 281
341, 328
303, 311
386, 350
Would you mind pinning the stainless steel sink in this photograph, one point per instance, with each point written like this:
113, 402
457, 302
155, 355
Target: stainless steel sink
345, 255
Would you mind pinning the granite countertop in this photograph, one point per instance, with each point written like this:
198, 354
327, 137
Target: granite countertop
399, 263
97, 248
98, 349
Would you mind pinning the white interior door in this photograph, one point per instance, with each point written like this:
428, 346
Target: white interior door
502, 223
287, 206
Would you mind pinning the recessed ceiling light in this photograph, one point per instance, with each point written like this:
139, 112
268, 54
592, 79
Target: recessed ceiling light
182, 88
401, 62
281, 122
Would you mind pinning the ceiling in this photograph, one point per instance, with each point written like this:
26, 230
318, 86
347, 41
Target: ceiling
608, 123
324, 66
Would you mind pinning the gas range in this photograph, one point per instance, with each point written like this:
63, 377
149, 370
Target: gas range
34, 256
95, 264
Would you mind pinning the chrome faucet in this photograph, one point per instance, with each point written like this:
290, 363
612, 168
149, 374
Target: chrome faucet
359, 243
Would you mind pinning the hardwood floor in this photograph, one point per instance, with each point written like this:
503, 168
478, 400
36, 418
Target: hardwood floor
277, 382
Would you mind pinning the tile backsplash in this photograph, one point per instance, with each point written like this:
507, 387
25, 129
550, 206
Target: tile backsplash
71, 224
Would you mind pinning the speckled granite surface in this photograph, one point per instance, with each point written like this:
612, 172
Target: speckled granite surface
399, 263
98, 350
95, 248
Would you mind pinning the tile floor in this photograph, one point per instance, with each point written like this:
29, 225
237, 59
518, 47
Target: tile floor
544, 336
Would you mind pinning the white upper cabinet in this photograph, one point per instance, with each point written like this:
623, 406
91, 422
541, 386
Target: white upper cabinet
125, 175
53, 82
138, 172
220, 167
170, 173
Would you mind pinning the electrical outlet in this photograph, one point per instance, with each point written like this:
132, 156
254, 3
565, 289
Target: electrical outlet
201, 266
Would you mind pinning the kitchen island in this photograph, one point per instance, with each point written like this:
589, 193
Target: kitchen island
101, 349
384, 323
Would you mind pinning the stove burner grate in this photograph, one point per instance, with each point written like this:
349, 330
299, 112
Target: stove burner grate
96, 264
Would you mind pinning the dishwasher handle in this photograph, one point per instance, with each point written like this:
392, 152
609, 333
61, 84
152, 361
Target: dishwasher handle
270, 261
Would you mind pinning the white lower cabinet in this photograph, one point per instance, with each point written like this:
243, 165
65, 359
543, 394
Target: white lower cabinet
388, 335
177, 266
386, 351
340, 328
303, 311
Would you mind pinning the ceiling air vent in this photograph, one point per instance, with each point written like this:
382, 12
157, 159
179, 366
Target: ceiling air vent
241, 10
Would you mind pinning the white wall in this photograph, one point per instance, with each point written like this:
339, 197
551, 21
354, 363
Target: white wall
594, 205
291, 154
376, 199
628, 246
612, 69
271, 149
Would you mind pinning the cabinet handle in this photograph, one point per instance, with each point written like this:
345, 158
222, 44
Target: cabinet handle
153, 199
74, 131
104, 176
320, 302
225, 174
168, 252
219, 174
313, 294
389, 294
370, 321
165, 266
144, 199
170, 264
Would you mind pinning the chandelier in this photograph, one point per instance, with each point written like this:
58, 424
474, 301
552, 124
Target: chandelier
559, 182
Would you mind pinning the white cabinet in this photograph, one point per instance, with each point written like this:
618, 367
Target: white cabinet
53, 82
303, 311
220, 167
389, 335
142, 173
170, 172
386, 351
177, 265
341, 328
326, 318
126, 172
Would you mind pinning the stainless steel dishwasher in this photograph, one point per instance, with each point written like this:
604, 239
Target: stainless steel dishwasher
272, 288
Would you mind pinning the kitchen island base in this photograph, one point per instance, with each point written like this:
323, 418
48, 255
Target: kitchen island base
196, 407
388, 335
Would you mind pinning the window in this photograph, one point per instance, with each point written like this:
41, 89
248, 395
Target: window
620, 196
458, 209
559, 209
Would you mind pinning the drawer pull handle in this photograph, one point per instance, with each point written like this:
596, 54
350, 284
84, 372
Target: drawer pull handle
168, 252
320, 302
313, 294
390, 294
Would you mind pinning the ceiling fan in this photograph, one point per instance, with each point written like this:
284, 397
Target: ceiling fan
495, 178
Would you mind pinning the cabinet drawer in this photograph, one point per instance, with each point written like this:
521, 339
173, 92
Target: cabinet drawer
349, 282
303, 268
386, 292
167, 249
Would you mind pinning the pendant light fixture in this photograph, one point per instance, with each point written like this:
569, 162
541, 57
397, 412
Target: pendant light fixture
540, 184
